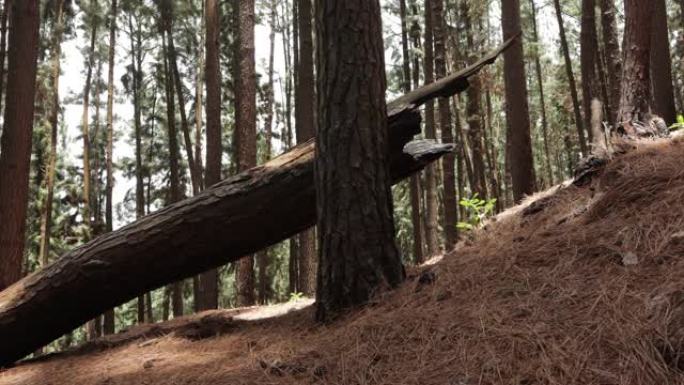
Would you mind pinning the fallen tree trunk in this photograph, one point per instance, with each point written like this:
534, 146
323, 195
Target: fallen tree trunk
233, 218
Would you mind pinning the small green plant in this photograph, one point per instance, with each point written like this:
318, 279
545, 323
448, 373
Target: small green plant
294, 297
477, 210
679, 125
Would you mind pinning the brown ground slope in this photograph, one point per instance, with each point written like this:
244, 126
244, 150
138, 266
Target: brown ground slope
580, 285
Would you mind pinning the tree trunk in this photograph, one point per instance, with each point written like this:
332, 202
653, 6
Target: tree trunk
414, 183
474, 114
15, 157
635, 95
587, 59
245, 132
208, 282
46, 214
175, 193
518, 141
448, 161
205, 231
85, 129
661, 65
611, 46
571, 80
542, 101
108, 325
431, 208
304, 116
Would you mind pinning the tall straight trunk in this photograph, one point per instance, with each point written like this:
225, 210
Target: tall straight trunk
474, 112
85, 130
15, 157
46, 214
448, 161
136, 65
175, 192
6, 8
108, 325
571, 79
414, 182
661, 65
263, 257
611, 46
245, 132
176, 81
588, 59
357, 250
199, 89
542, 101
208, 281
304, 117
635, 94
431, 208
518, 141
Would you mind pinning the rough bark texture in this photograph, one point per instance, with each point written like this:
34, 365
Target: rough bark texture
611, 46
307, 259
193, 235
108, 325
208, 281
571, 79
431, 204
518, 141
6, 7
245, 132
17, 132
448, 161
635, 95
354, 202
661, 65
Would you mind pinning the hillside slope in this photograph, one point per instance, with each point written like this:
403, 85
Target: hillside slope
579, 285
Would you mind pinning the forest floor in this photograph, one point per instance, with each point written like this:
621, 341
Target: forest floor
578, 285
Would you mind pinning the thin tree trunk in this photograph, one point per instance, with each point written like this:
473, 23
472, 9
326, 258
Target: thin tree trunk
414, 183
108, 325
46, 215
571, 80
245, 133
431, 208
518, 141
85, 128
15, 157
587, 59
542, 101
7, 7
661, 65
304, 117
208, 281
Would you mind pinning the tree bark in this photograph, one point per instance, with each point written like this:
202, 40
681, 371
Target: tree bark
518, 141
245, 129
208, 281
15, 157
587, 59
635, 95
85, 129
414, 183
6, 7
108, 324
571, 80
304, 118
661, 65
611, 47
431, 204
448, 161
191, 236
